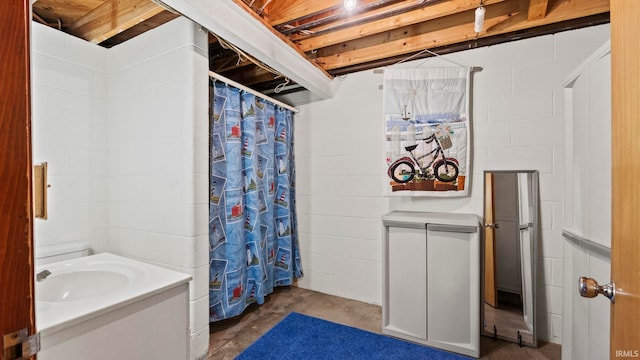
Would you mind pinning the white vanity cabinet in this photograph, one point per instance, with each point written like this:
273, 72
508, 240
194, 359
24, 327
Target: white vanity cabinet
431, 280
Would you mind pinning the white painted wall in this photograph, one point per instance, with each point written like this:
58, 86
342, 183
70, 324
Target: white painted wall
158, 157
517, 123
125, 132
69, 125
588, 150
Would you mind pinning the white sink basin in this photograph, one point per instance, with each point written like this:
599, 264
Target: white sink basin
79, 285
86, 287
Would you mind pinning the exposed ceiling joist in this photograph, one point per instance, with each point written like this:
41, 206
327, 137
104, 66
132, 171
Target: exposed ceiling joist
309, 41
64, 11
340, 14
500, 18
390, 23
113, 17
362, 18
430, 34
599, 19
537, 9
283, 11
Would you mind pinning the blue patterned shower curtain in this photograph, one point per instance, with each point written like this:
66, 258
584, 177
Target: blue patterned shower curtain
253, 235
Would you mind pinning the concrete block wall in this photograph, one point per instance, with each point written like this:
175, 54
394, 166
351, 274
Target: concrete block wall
338, 147
517, 124
158, 157
69, 123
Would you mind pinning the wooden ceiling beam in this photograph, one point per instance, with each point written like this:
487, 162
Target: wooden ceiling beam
398, 8
396, 36
387, 24
151, 23
502, 18
113, 17
432, 34
67, 11
574, 24
340, 13
283, 11
537, 9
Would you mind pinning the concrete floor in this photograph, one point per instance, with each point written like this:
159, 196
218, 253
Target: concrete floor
230, 337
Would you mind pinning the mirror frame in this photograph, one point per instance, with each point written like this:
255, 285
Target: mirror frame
535, 219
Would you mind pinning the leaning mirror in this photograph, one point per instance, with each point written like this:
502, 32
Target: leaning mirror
509, 256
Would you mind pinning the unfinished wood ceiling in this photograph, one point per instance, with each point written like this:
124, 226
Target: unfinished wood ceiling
104, 22
338, 41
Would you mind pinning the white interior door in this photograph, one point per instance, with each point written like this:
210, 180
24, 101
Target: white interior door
587, 220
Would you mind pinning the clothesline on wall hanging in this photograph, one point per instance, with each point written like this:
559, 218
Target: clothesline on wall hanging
472, 68
236, 84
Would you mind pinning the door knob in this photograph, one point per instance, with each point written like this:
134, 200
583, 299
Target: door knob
589, 288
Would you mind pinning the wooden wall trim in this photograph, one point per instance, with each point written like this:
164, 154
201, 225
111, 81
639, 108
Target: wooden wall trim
16, 224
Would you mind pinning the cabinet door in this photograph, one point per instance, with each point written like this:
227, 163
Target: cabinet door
406, 295
453, 288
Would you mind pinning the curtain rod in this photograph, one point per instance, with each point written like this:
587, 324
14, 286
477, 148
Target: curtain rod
249, 90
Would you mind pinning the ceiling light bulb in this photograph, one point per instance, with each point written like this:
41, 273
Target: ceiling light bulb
350, 4
479, 19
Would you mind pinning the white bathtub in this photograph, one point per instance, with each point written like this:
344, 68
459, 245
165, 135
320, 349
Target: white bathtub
109, 307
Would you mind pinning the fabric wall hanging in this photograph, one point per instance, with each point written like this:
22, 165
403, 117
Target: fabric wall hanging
427, 139
252, 218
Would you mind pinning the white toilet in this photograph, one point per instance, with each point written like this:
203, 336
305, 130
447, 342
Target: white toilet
53, 253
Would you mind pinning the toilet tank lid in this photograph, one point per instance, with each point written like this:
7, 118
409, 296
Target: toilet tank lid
60, 249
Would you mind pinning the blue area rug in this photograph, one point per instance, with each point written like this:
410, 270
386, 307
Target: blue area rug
303, 337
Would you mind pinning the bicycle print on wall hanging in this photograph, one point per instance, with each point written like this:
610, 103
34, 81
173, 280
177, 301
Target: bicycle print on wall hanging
427, 141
